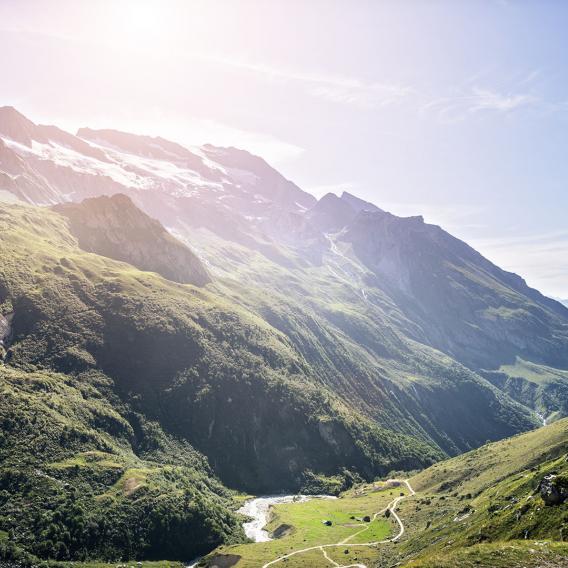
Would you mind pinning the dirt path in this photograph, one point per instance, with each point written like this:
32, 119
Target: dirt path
391, 507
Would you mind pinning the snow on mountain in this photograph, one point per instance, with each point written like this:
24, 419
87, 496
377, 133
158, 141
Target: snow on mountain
45, 165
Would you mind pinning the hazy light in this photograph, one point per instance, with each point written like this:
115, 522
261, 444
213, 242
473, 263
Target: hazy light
134, 23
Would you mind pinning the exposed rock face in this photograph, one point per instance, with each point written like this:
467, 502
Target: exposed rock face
5, 329
553, 489
331, 213
116, 228
465, 305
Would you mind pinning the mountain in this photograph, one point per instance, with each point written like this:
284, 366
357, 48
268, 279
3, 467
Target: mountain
116, 228
305, 344
124, 393
465, 305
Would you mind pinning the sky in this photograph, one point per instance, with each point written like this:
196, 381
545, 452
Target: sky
454, 110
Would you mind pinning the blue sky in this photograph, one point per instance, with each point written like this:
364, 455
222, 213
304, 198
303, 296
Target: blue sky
454, 110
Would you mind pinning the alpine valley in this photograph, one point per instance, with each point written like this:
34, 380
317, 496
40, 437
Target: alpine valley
181, 327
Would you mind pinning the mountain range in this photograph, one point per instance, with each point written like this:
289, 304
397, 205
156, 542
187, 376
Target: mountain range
176, 321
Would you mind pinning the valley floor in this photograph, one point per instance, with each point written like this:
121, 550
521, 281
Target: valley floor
484, 509
307, 541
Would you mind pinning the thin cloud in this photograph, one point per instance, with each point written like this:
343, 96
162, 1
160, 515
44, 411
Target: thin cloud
459, 107
333, 88
484, 99
362, 95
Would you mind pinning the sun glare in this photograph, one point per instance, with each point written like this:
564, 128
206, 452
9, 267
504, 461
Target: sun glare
136, 21
143, 15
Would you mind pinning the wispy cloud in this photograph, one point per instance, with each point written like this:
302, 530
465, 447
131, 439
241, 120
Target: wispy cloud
333, 88
484, 99
356, 93
459, 107
467, 101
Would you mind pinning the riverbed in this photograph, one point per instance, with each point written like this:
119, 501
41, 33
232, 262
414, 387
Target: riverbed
258, 510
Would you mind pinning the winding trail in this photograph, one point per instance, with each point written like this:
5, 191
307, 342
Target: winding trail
391, 507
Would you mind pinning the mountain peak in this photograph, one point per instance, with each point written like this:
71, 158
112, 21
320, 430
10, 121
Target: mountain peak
14, 125
331, 213
359, 204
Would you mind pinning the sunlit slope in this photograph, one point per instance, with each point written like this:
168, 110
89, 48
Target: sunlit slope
513, 554
356, 342
474, 509
205, 369
480, 469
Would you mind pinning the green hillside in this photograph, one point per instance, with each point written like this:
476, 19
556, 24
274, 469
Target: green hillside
131, 402
83, 476
538, 386
111, 377
485, 507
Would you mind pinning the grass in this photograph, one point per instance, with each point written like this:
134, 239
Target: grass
307, 528
91, 459
132, 480
533, 372
540, 387
473, 509
477, 470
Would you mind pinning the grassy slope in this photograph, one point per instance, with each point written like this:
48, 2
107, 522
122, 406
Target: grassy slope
538, 386
105, 358
476, 507
500, 555
359, 346
481, 468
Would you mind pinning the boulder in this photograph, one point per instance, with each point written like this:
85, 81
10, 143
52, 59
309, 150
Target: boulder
553, 489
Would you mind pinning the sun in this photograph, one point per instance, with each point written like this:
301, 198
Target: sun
136, 21
143, 14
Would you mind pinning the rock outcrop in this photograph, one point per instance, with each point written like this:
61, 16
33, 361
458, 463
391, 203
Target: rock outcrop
116, 228
553, 489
